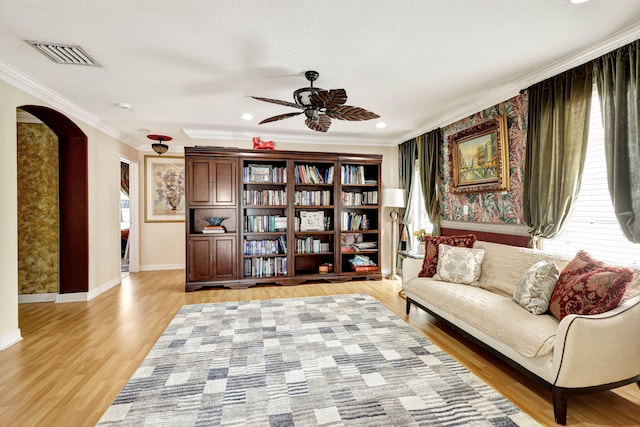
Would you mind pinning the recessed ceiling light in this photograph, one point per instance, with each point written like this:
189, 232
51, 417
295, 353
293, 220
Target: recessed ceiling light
579, 1
246, 116
381, 125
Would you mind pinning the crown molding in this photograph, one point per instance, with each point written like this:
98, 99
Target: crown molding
298, 139
510, 90
59, 102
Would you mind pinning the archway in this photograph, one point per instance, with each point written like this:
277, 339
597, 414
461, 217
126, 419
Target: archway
73, 204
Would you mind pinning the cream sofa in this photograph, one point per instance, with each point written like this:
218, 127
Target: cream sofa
577, 354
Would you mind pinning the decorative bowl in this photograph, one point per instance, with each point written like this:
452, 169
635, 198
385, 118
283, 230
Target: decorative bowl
214, 220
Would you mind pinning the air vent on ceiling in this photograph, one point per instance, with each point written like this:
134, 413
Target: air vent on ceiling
64, 54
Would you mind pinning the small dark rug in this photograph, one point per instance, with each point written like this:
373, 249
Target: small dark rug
342, 360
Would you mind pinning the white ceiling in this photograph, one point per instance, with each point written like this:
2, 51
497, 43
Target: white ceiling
191, 64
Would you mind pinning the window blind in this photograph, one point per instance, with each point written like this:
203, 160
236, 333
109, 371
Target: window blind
593, 226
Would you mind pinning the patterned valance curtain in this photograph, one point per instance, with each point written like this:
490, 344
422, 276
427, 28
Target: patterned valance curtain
124, 177
556, 148
428, 157
617, 75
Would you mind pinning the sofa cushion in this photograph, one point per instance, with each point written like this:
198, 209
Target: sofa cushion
459, 265
588, 286
431, 248
536, 286
494, 314
503, 265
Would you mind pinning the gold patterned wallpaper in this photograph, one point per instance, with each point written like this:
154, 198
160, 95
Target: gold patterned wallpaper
37, 209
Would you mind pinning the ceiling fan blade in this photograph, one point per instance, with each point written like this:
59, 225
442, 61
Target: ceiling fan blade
277, 101
320, 124
329, 98
348, 112
280, 117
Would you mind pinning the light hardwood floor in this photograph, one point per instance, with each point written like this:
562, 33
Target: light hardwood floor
75, 357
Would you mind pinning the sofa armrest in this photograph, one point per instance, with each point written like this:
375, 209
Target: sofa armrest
598, 349
410, 268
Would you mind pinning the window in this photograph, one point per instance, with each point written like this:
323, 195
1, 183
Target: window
593, 225
420, 216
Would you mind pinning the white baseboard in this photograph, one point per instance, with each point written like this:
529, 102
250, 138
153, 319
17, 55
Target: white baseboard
158, 267
31, 298
10, 339
104, 288
73, 297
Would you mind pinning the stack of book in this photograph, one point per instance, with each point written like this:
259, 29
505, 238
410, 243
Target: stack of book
362, 246
210, 229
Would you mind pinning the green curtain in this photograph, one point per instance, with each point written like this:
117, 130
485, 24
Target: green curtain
557, 135
617, 75
408, 156
428, 157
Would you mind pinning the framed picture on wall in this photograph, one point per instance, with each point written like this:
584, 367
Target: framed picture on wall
479, 157
164, 198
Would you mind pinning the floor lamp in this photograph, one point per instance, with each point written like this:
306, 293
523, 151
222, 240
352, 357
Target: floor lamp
393, 198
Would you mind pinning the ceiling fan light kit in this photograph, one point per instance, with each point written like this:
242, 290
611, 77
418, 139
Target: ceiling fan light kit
319, 106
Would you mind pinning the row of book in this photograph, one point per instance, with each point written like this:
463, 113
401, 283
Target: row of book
309, 245
354, 221
265, 247
273, 174
312, 198
264, 223
355, 175
309, 174
264, 197
265, 267
358, 199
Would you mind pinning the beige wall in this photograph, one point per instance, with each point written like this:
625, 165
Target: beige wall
104, 227
9, 100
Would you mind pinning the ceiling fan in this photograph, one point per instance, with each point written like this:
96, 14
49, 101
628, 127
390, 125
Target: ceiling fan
319, 106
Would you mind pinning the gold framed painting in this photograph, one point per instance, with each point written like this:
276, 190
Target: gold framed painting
164, 185
479, 157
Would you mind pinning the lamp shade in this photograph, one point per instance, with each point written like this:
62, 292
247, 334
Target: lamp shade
393, 197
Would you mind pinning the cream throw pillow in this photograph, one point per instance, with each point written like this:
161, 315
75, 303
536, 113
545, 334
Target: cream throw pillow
459, 265
536, 286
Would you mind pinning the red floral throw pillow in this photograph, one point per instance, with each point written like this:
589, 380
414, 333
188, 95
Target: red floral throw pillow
431, 245
587, 286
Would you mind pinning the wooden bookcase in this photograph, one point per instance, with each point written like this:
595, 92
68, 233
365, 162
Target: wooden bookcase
290, 217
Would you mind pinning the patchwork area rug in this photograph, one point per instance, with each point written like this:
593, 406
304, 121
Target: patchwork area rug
342, 360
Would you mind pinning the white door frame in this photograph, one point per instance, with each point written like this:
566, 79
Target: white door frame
134, 235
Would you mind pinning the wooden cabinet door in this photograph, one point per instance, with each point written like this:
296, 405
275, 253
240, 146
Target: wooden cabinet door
224, 258
212, 182
212, 258
225, 181
200, 259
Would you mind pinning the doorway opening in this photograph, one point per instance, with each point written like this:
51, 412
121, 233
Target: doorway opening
128, 216
125, 217
73, 212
